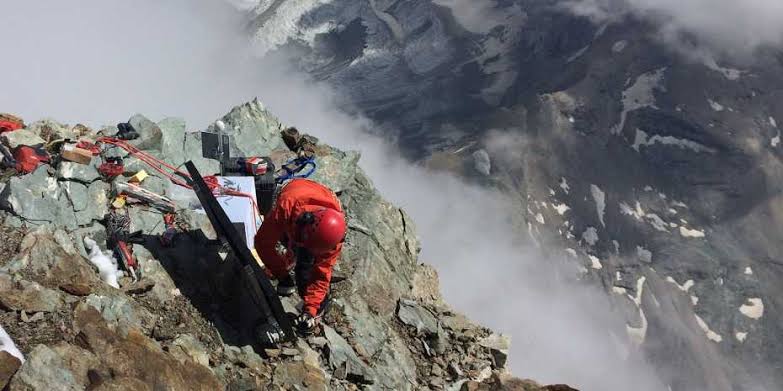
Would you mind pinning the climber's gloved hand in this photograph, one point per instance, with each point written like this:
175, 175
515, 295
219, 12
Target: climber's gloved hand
306, 324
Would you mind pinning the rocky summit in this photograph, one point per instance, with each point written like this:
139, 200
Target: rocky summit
181, 323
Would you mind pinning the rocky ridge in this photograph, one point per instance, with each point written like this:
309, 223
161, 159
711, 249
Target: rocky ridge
184, 323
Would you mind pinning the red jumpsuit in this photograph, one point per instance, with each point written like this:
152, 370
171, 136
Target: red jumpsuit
297, 197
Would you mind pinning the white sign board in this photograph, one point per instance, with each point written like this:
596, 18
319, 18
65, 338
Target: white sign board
240, 209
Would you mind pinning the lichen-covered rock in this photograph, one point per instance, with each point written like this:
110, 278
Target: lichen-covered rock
133, 355
51, 130
256, 132
20, 295
22, 137
61, 367
86, 173
179, 146
117, 311
418, 317
187, 347
38, 199
150, 135
344, 361
499, 345
300, 376
8, 367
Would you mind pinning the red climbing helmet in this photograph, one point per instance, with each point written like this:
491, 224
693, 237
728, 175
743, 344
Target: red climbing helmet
322, 230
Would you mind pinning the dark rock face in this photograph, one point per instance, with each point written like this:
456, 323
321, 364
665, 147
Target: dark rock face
186, 323
664, 173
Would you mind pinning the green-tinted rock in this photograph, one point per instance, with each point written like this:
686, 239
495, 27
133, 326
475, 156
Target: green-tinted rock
23, 137
255, 131
147, 220
150, 135
187, 347
38, 199
179, 146
63, 367
117, 310
21, 295
343, 357
336, 170
77, 172
50, 130
418, 317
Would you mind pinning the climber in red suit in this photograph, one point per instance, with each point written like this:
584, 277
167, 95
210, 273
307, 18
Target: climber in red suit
299, 243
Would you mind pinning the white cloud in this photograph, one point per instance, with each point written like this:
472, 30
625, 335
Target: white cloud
733, 27
481, 16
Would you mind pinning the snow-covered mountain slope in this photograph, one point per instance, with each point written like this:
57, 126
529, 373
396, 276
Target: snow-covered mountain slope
659, 173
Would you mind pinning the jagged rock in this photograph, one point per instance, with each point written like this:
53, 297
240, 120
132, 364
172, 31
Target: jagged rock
187, 347
318, 342
147, 220
300, 376
499, 346
22, 137
179, 146
37, 199
86, 173
117, 311
336, 169
457, 322
54, 256
75, 276
152, 269
426, 285
95, 203
142, 286
309, 356
51, 130
343, 357
61, 367
20, 295
123, 384
150, 135
8, 367
255, 131
133, 355
414, 315
245, 355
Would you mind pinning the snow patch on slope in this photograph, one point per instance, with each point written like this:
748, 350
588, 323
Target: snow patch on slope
600, 202
639, 95
643, 139
754, 308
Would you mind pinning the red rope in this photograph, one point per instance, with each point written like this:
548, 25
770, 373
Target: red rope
173, 173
